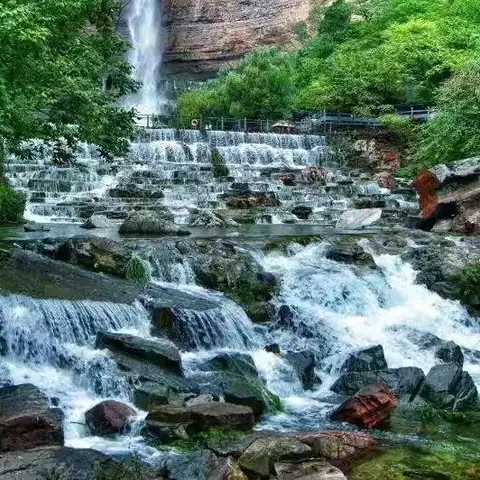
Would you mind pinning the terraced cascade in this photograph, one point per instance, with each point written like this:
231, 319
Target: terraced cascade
249, 177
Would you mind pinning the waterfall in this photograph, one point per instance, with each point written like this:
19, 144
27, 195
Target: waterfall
50, 343
145, 27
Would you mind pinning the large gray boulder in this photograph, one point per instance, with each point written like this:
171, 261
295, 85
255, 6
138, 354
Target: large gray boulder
97, 221
365, 360
26, 419
150, 223
311, 470
235, 377
404, 382
450, 352
304, 364
64, 463
160, 352
447, 386
209, 219
262, 455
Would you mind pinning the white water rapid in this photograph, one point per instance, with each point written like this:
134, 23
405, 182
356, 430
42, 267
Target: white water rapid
145, 28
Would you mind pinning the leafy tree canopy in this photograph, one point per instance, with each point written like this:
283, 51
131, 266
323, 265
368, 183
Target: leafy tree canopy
57, 58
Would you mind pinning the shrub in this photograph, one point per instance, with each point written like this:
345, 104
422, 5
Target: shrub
468, 283
137, 270
12, 205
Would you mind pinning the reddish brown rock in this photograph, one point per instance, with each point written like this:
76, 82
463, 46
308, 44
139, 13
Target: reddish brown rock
108, 417
339, 448
252, 200
205, 35
426, 185
391, 160
26, 421
386, 180
368, 408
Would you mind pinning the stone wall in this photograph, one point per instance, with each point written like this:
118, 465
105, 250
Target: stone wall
205, 35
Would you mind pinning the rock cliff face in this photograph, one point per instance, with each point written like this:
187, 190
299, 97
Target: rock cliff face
205, 35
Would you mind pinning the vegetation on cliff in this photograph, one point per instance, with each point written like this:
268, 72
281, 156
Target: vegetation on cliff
365, 58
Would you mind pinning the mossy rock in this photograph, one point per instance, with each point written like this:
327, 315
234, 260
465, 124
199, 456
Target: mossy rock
444, 462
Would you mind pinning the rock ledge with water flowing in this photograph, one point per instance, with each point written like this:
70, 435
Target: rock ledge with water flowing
109, 417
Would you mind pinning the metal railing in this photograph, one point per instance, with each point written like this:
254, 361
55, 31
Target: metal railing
316, 123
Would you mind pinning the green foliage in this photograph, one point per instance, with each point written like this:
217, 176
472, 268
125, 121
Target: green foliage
56, 58
12, 205
468, 284
454, 133
261, 86
137, 270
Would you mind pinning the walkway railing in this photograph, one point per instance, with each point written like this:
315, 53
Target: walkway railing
317, 123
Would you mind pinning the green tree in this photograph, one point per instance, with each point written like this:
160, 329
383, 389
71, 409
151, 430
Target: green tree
454, 133
62, 72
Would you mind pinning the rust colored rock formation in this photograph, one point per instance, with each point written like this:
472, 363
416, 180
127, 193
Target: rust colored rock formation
426, 185
205, 35
368, 408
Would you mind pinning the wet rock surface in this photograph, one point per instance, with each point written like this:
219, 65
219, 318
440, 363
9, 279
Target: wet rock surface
150, 223
26, 419
109, 417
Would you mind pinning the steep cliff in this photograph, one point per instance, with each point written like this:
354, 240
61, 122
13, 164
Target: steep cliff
204, 35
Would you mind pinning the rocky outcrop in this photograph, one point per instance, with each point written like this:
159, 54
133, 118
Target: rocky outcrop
170, 422
97, 221
236, 377
26, 419
451, 192
365, 360
339, 448
62, 463
160, 352
368, 408
304, 364
261, 456
205, 35
447, 386
311, 470
150, 223
108, 417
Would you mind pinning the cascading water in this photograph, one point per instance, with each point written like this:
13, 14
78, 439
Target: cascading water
50, 343
145, 27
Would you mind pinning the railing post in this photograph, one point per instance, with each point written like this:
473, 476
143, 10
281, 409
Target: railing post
268, 127
223, 124
201, 122
245, 124
411, 112
148, 121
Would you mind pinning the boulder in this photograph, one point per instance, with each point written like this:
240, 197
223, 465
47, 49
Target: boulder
236, 377
304, 364
311, 470
365, 360
262, 455
108, 417
339, 448
150, 223
404, 382
446, 386
347, 250
207, 218
97, 221
197, 417
302, 211
368, 408
159, 352
358, 219
64, 463
35, 227
273, 348
237, 363
450, 352
26, 420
